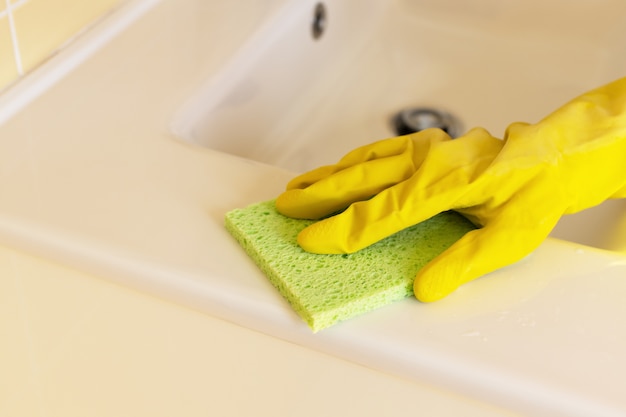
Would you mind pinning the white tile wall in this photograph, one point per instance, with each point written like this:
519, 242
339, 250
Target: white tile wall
32, 30
8, 14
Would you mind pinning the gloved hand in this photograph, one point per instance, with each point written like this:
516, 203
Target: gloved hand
514, 189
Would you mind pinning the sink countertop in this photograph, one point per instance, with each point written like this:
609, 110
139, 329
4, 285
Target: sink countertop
92, 179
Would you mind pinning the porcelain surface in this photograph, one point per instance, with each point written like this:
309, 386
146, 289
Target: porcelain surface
94, 177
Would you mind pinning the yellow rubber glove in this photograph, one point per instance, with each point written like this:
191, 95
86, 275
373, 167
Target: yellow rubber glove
515, 189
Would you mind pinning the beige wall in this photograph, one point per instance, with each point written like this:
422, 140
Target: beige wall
31, 30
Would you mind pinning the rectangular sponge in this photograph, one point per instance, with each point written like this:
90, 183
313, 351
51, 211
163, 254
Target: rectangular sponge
326, 289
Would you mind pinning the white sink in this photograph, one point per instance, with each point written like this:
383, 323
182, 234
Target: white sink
603, 226
296, 101
98, 185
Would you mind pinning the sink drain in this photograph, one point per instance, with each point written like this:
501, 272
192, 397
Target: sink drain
415, 119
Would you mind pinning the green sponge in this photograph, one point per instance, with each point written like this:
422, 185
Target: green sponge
326, 289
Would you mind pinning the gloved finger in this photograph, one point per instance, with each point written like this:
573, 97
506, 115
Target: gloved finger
380, 167
338, 191
361, 181
393, 209
621, 193
380, 149
448, 179
504, 241
417, 142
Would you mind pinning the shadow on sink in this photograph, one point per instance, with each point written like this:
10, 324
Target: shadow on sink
320, 78
603, 226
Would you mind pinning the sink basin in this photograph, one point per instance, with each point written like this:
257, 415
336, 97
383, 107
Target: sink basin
91, 181
320, 78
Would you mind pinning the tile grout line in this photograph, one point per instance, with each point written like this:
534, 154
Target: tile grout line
16, 48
